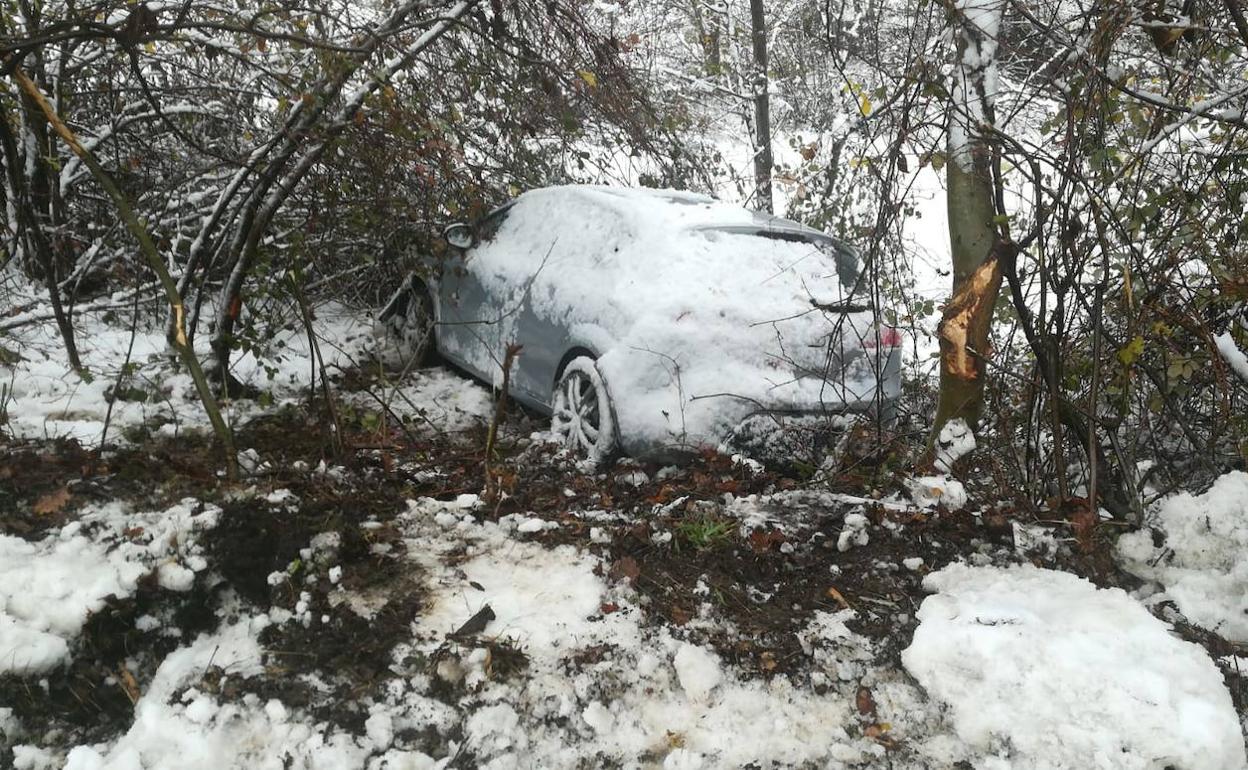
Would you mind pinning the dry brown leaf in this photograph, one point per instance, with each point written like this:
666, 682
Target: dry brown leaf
52, 502
666, 494
865, 702
129, 685
626, 567
836, 596
763, 541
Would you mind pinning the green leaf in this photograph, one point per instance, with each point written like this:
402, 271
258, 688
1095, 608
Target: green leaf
1131, 352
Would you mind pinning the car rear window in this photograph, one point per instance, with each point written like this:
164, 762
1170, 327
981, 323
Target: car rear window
843, 255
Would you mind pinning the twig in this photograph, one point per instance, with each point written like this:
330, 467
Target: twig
121, 375
1096, 382
397, 419
500, 412
318, 363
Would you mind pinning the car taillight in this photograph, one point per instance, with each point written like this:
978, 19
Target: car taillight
887, 336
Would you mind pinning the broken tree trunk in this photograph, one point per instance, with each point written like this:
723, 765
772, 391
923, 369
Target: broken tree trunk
976, 235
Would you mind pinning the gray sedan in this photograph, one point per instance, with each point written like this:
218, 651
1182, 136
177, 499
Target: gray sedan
652, 321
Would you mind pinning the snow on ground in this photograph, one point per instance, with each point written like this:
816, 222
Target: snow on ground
1043, 670
648, 699
50, 586
1040, 670
1201, 562
178, 725
434, 399
48, 400
602, 686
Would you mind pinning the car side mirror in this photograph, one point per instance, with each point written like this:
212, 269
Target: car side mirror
459, 235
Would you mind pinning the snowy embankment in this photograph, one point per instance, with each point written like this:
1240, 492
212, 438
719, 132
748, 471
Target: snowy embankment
527, 644
1039, 670
47, 400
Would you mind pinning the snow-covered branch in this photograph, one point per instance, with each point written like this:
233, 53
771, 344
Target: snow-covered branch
1235, 358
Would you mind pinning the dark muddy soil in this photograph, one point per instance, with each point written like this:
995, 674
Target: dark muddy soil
673, 540
94, 697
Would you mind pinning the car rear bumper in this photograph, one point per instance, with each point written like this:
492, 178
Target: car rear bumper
780, 435
772, 435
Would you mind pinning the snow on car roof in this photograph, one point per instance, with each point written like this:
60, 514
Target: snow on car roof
650, 207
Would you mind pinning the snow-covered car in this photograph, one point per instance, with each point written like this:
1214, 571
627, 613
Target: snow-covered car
653, 321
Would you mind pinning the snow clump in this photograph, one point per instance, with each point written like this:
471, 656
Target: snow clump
930, 491
49, 587
956, 440
1041, 669
1203, 563
698, 670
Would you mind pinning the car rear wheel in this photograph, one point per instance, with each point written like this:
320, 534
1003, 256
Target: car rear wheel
581, 414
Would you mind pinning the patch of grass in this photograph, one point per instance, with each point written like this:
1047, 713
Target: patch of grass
704, 532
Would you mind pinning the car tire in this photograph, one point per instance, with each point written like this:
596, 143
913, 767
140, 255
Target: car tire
413, 326
581, 413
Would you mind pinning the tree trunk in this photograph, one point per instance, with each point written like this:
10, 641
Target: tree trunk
32, 232
762, 111
977, 241
708, 37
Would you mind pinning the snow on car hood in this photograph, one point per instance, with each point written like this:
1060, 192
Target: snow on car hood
701, 324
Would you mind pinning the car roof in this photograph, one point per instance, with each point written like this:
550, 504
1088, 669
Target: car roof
679, 209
